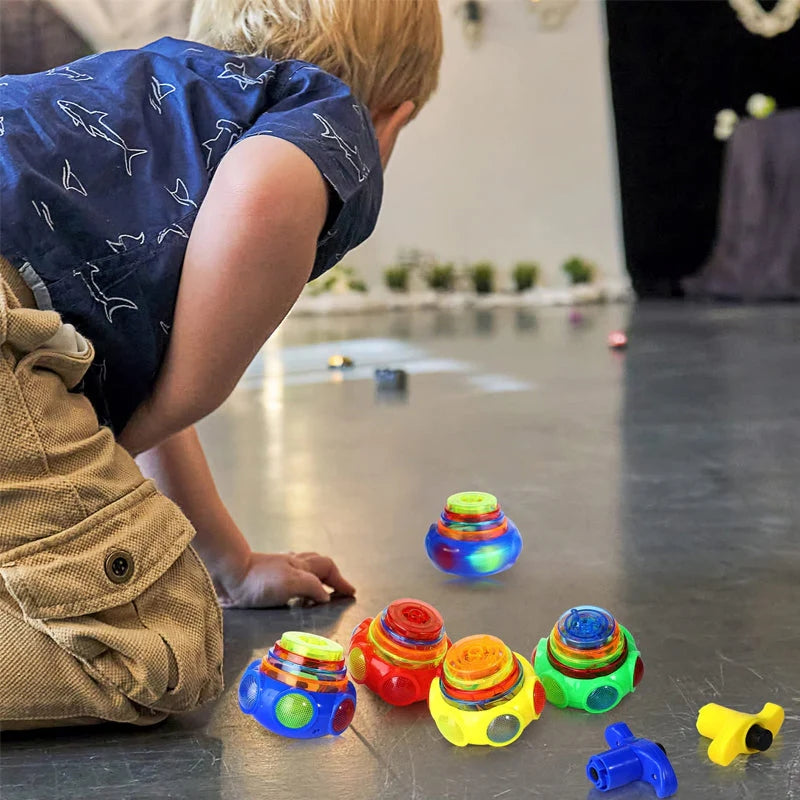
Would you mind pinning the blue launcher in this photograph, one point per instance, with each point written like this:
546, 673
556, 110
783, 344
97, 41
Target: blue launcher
631, 759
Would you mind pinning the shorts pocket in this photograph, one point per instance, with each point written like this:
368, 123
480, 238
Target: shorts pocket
124, 593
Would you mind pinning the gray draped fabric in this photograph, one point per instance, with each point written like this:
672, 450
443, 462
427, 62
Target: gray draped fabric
757, 253
34, 37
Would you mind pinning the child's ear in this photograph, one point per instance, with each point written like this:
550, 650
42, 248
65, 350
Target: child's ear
388, 125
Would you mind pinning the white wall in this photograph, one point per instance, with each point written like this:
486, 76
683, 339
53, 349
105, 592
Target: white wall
514, 157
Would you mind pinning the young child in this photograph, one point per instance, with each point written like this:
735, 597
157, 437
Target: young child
161, 211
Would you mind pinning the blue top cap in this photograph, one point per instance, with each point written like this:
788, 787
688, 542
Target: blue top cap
586, 627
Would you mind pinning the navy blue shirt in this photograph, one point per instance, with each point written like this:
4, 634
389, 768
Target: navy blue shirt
104, 164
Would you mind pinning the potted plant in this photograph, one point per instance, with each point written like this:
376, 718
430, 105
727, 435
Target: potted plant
396, 277
441, 277
526, 275
482, 276
579, 270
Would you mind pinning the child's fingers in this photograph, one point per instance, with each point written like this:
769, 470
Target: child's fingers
305, 584
325, 569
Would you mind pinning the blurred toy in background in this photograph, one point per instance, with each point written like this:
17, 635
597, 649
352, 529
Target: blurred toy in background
399, 652
339, 362
617, 340
473, 537
589, 661
486, 694
575, 316
300, 688
391, 380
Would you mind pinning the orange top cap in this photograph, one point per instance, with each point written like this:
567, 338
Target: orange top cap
472, 661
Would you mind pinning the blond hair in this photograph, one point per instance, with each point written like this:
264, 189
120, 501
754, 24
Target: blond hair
387, 51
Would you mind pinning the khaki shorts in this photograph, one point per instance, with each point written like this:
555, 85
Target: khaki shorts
106, 612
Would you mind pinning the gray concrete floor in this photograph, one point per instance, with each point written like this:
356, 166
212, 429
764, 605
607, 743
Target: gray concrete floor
661, 484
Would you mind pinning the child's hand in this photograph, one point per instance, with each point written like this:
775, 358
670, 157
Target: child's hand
273, 579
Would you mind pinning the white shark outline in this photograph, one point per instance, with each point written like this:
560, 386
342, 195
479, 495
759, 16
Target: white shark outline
351, 153
43, 211
219, 145
158, 92
92, 122
120, 247
70, 181
174, 228
72, 74
181, 194
110, 304
238, 73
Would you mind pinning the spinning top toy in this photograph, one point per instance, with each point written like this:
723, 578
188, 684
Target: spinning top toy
300, 688
617, 340
473, 537
589, 661
339, 362
575, 316
486, 694
631, 759
391, 380
734, 733
400, 652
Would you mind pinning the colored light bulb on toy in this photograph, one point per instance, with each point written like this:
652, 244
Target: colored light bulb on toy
735, 733
300, 688
631, 759
473, 537
399, 652
486, 694
589, 661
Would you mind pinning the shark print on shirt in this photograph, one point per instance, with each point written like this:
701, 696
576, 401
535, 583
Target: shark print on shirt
109, 304
93, 123
180, 194
351, 153
120, 246
238, 73
70, 181
158, 91
227, 133
174, 228
43, 211
69, 72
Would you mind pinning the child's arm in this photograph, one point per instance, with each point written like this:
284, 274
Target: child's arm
242, 578
249, 255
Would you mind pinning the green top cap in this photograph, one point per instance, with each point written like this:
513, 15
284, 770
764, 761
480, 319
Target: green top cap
472, 503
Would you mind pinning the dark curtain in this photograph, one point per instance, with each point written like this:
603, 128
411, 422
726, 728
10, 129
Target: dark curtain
674, 64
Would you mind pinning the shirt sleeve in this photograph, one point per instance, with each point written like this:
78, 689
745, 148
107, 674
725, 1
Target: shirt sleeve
319, 114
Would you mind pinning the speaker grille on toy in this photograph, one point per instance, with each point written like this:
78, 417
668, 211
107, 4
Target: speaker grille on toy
294, 710
399, 690
555, 694
343, 715
248, 692
503, 729
602, 698
357, 664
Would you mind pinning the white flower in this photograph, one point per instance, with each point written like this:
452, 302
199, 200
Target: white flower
760, 106
726, 121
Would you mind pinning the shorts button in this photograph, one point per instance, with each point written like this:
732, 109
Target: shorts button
119, 566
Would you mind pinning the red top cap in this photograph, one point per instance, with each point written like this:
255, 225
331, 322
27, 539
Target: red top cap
413, 619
